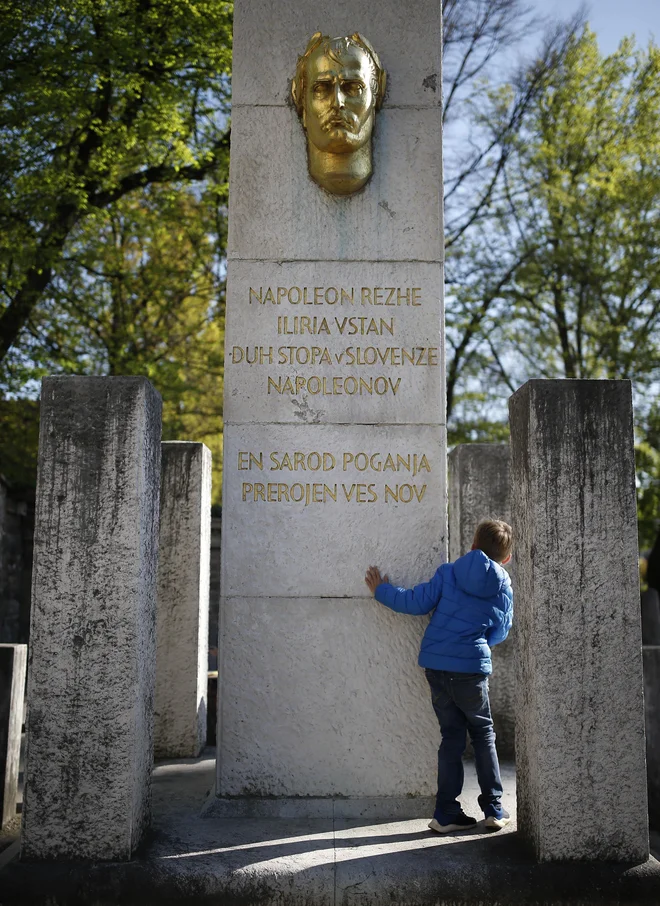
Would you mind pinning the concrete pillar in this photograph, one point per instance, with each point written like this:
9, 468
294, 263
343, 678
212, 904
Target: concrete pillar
13, 662
651, 653
480, 488
581, 778
183, 600
92, 636
335, 450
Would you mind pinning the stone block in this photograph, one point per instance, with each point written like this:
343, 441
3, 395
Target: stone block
182, 612
365, 363
13, 663
319, 503
650, 617
479, 488
92, 637
282, 215
652, 708
479, 483
349, 469
323, 697
265, 56
580, 712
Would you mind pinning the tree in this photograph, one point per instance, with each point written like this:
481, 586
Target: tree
647, 456
140, 290
99, 98
486, 102
563, 277
584, 205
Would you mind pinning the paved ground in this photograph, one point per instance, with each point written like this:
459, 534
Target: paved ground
321, 862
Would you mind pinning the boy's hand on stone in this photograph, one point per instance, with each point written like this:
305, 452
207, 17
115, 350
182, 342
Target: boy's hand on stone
373, 578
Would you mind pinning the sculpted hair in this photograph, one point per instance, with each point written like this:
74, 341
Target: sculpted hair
495, 538
335, 47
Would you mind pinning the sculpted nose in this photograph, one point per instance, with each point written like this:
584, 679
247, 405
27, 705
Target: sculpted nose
339, 97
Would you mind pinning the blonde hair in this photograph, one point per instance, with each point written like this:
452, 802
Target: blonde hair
495, 538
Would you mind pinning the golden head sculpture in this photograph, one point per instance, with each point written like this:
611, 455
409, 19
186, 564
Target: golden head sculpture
338, 87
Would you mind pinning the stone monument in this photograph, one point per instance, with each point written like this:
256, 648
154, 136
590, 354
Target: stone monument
335, 452
580, 751
480, 488
92, 652
13, 663
182, 613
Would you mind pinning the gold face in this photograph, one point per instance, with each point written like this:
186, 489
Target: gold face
338, 87
339, 105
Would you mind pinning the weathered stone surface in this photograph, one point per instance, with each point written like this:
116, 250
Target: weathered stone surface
479, 484
580, 713
92, 638
479, 488
281, 215
299, 547
321, 862
16, 531
310, 808
13, 663
297, 538
395, 346
323, 697
182, 611
650, 617
214, 602
265, 56
652, 706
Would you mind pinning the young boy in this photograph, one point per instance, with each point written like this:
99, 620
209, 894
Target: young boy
472, 605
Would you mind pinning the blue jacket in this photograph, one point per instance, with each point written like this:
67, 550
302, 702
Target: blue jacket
473, 611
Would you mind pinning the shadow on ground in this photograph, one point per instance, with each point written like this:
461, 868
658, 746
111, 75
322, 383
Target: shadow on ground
299, 862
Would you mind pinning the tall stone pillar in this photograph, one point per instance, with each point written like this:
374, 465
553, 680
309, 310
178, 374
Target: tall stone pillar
92, 636
183, 600
13, 662
651, 658
334, 400
480, 488
581, 779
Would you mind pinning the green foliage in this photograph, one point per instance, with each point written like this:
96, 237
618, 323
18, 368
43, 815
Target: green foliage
560, 276
584, 191
140, 291
19, 442
647, 456
99, 98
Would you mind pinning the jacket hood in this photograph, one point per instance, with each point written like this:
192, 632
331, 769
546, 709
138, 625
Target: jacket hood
478, 575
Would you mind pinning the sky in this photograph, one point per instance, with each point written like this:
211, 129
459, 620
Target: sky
612, 19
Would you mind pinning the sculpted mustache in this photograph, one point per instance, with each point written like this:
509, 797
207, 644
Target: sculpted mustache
346, 119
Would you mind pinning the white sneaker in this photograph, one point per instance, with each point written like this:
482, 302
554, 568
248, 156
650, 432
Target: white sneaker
460, 822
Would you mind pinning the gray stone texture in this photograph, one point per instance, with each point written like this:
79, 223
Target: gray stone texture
650, 617
651, 654
365, 729
92, 638
327, 861
303, 656
282, 215
262, 54
182, 611
214, 591
479, 483
249, 396
580, 711
652, 706
298, 548
13, 664
16, 530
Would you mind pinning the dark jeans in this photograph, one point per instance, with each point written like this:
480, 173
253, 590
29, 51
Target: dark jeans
460, 701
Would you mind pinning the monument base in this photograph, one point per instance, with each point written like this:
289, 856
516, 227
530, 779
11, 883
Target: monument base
394, 808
